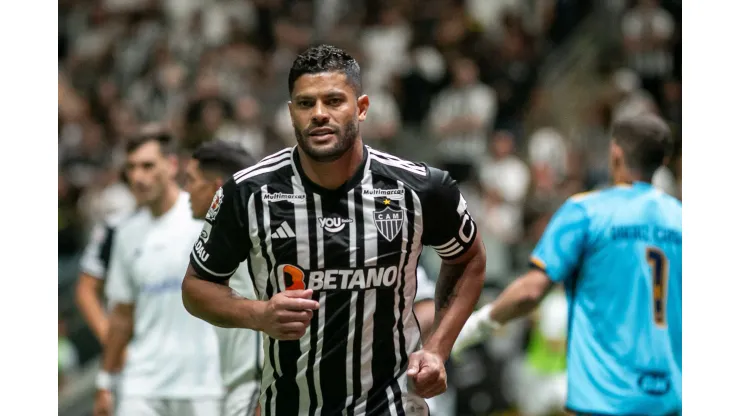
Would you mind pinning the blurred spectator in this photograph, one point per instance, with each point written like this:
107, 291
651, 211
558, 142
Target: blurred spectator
384, 45
548, 155
383, 121
505, 180
648, 30
460, 117
630, 98
247, 129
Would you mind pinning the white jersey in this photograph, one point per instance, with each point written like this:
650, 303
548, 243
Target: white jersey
240, 350
172, 354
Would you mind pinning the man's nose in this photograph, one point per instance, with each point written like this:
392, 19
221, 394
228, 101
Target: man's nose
320, 116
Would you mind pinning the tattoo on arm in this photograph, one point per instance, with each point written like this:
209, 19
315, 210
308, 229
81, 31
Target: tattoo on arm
449, 275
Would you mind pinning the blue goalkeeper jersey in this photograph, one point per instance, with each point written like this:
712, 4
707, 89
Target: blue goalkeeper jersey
618, 253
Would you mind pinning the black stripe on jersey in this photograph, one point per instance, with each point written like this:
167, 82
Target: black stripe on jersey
410, 223
314, 261
384, 349
106, 248
359, 306
286, 388
259, 214
333, 364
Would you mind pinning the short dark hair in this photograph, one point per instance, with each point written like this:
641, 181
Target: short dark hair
222, 158
326, 58
166, 142
646, 141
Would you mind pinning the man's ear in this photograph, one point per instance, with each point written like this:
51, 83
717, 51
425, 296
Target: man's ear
363, 104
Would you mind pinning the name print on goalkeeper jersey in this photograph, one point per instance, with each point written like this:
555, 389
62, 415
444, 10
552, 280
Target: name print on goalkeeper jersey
357, 247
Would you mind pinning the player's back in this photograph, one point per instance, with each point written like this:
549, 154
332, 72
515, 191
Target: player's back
624, 352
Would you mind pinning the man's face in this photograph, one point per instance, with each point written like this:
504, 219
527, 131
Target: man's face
326, 115
149, 172
200, 188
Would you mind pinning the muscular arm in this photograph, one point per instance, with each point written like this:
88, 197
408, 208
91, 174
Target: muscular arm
458, 287
218, 304
87, 296
119, 334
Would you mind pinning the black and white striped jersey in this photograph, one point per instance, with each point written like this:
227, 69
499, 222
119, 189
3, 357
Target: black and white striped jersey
357, 248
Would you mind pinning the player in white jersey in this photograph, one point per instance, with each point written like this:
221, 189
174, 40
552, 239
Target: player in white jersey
240, 349
171, 366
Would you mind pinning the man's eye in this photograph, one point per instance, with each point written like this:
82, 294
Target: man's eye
305, 104
335, 101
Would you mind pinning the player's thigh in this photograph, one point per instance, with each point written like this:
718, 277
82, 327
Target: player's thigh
242, 400
196, 407
141, 406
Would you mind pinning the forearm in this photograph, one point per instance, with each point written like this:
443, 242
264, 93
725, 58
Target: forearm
458, 288
424, 311
218, 304
120, 333
91, 308
520, 298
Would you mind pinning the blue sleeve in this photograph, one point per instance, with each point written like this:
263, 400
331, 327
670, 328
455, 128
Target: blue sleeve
560, 248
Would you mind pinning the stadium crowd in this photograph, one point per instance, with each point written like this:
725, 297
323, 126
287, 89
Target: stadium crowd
454, 83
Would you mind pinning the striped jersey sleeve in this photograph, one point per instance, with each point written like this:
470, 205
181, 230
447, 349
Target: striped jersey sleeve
96, 257
224, 240
448, 226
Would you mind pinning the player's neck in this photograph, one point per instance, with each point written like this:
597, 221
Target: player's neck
332, 175
168, 200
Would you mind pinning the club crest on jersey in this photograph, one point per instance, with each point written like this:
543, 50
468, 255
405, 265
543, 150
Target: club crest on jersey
388, 222
215, 205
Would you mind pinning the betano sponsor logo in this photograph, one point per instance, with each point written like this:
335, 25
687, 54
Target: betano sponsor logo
291, 277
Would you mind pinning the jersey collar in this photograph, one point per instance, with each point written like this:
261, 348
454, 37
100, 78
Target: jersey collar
353, 181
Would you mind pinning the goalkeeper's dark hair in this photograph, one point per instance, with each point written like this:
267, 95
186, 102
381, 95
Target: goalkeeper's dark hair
646, 141
326, 58
222, 158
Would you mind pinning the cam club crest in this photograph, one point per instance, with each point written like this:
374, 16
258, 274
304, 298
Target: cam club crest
215, 205
388, 222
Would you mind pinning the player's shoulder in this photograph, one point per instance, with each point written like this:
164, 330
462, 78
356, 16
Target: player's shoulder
269, 170
415, 175
131, 224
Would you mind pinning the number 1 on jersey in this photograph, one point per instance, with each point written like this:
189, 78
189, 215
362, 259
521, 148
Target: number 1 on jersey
659, 265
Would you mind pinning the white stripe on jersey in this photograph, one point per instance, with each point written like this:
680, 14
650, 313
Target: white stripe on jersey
353, 300
371, 256
265, 169
322, 308
267, 160
303, 258
259, 265
394, 161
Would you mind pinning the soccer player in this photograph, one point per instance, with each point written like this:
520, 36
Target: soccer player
618, 253
240, 350
332, 231
171, 365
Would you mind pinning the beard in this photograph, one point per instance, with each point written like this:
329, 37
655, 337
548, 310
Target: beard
346, 138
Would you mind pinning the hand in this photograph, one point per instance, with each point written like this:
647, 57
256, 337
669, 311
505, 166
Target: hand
103, 403
427, 370
287, 314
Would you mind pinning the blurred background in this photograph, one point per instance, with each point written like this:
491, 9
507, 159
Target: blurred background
513, 97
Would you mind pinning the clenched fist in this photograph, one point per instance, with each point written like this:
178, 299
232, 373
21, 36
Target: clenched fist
427, 371
286, 315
